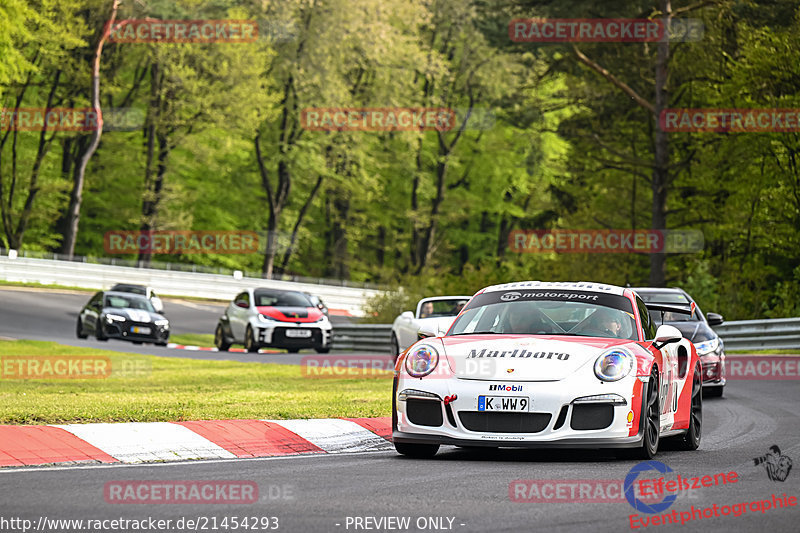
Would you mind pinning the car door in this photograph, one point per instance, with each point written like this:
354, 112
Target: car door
91, 312
670, 373
237, 315
407, 329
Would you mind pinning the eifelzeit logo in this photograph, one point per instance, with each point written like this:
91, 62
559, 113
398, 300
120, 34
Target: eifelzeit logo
518, 353
508, 388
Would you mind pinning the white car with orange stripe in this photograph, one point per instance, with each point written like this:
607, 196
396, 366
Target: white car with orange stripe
537, 364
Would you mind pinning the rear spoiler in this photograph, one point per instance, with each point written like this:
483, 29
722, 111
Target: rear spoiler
682, 309
665, 308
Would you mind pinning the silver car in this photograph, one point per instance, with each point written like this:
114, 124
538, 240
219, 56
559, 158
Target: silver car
260, 317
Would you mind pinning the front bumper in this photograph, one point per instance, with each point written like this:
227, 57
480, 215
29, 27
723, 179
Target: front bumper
554, 419
276, 334
713, 366
126, 330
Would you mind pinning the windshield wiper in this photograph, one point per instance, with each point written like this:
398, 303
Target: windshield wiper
478, 333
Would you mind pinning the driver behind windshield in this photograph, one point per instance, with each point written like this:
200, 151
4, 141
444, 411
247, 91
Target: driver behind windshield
603, 323
526, 320
427, 310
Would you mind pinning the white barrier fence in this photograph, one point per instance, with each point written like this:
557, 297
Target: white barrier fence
174, 283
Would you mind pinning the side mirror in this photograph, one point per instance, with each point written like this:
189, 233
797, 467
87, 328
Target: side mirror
429, 330
242, 304
407, 314
714, 319
666, 334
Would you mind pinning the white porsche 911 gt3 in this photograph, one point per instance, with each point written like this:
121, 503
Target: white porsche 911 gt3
535, 364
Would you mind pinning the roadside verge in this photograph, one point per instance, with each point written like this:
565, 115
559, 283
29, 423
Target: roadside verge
142, 442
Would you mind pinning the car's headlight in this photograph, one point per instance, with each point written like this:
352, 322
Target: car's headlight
706, 347
117, 318
614, 364
422, 361
163, 322
265, 318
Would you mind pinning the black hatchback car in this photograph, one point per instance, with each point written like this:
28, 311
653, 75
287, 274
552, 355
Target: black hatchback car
122, 315
695, 327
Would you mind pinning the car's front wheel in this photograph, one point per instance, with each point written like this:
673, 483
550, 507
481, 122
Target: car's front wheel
98, 331
691, 440
322, 349
417, 451
220, 341
713, 392
79, 330
651, 427
249, 341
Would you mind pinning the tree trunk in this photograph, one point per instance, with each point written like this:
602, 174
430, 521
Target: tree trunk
660, 181
76, 198
300, 216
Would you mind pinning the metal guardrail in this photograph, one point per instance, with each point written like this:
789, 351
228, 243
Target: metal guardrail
170, 282
186, 267
771, 334
373, 338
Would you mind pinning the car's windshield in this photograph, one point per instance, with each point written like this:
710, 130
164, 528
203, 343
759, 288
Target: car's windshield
443, 307
130, 288
128, 302
548, 313
281, 299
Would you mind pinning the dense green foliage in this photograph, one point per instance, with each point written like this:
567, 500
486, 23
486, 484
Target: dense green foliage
549, 143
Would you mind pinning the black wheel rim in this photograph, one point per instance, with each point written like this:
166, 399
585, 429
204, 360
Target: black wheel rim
697, 405
248, 339
218, 337
653, 426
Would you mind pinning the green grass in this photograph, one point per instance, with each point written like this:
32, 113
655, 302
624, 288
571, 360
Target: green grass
44, 286
92, 291
193, 339
174, 389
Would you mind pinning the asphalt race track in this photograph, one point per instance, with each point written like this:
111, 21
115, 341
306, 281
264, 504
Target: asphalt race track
459, 490
315, 493
47, 315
